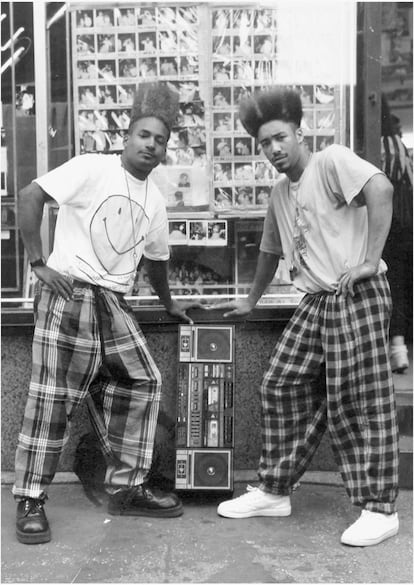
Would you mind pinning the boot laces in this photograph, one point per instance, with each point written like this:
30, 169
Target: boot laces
137, 490
32, 506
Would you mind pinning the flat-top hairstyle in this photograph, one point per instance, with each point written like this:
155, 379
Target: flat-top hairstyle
277, 103
156, 100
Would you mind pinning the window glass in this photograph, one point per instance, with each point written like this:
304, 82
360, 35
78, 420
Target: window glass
18, 133
215, 180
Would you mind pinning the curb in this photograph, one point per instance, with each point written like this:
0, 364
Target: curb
240, 476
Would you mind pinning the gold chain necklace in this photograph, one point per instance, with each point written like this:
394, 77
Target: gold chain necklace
134, 242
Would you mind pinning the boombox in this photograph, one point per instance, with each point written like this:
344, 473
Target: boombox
205, 409
206, 343
205, 405
204, 469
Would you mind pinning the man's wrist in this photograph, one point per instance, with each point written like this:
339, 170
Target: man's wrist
168, 304
252, 301
37, 263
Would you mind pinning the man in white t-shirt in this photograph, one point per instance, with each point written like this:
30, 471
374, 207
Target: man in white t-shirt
329, 215
110, 215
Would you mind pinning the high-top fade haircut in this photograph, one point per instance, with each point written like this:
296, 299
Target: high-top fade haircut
155, 100
276, 103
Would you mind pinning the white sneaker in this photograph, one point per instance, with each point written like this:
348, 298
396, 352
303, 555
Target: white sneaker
399, 358
255, 503
371, 528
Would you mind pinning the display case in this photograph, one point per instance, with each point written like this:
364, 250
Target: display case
215, 180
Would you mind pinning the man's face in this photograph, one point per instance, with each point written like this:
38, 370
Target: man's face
145, 146
281, 144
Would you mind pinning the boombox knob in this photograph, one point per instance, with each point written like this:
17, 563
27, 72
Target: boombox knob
211, 471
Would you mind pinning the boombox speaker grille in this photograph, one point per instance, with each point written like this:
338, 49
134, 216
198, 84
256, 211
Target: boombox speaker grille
211, 470
214, 344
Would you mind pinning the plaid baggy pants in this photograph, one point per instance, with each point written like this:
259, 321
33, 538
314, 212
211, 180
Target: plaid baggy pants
347, 337
94, 332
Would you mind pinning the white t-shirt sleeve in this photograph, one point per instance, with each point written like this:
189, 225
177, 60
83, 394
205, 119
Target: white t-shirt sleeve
68, 183
346, 172
270, 241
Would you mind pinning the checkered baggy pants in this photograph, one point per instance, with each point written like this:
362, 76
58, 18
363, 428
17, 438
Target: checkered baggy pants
349, 338
95, 332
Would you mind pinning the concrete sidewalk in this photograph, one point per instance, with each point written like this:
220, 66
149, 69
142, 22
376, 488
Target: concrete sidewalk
90, 546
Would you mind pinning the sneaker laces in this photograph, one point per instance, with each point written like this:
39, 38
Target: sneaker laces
251, 490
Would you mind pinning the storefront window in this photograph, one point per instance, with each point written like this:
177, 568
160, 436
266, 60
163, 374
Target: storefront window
60, 117
18, 133
215, 180
397, 64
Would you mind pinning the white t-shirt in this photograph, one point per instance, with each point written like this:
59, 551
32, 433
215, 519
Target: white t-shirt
317, 223
107, 220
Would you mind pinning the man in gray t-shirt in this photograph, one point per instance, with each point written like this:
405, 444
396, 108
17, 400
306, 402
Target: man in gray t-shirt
329, 215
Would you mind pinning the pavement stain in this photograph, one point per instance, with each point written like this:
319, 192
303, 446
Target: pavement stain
306, 568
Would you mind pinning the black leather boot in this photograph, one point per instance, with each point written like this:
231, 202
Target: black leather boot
32, 526
143, 500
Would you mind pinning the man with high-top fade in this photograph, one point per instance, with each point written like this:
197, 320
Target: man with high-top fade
329, 216
110, 215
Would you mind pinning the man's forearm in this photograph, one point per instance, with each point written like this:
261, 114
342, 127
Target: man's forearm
158, 275
30, 209
379, 208
265, 271
378, 229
